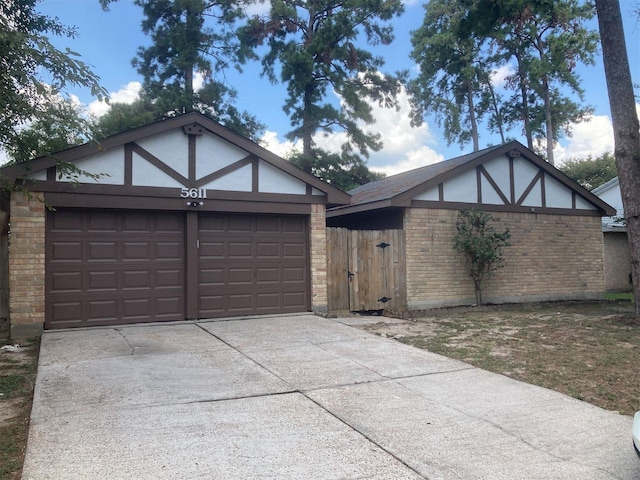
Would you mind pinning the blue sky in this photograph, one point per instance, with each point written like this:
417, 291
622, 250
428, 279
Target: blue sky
109, 40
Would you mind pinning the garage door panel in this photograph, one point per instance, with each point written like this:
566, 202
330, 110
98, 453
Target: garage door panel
268, 275
70, 282
136, 280
103, 222
293, 250
101, 311
135, 251
100, 281
293, 275
102, 252
169, 251
130, 266
66, 252
169, 279
293, 300
240, 276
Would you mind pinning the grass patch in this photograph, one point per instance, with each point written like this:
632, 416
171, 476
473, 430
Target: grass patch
17, 378
11, 385
588, 350
625, 297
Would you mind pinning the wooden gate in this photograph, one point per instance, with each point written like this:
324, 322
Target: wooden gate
366, 269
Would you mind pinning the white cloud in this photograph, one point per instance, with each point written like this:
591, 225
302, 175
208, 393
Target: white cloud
271, 142
499, 76
258, 7
589, 138
127, 94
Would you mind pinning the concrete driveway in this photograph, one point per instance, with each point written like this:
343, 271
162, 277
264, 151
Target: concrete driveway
299, 397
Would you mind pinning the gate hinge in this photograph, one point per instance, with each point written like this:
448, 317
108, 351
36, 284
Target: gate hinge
383, 245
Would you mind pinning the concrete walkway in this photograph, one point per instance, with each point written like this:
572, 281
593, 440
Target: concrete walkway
299, 397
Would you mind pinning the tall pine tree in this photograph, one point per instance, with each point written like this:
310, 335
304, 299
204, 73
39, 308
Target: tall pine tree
189, 38
314, 47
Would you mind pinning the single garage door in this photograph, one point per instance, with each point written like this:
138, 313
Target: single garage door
252, 264
110, 267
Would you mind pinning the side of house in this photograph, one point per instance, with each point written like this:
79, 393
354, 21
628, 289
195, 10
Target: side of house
556, 251
617, 257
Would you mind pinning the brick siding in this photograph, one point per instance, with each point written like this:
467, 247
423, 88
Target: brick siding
318, 262
551, 257
27, 263
617, 262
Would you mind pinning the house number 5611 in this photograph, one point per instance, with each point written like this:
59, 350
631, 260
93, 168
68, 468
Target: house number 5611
193, 193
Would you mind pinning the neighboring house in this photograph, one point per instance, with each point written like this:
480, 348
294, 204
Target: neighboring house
191, 221
617, 257
556, 245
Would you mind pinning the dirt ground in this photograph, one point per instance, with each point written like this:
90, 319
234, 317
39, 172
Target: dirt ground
588, 350
18, 366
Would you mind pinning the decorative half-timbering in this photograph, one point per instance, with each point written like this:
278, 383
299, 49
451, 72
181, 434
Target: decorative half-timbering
181, 219
556, 250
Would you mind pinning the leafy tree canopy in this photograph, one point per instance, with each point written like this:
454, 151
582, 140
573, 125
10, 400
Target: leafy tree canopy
34, 79
592, 171
332, 168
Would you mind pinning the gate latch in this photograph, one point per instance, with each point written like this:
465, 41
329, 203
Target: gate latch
383, 245
384, 299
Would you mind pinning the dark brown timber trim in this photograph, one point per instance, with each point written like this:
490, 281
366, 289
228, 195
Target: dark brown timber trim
255, 175
159, 164
495, 186
175, 204
224, 171
192, 159
512, 180
128, 164
527, 190
504, 208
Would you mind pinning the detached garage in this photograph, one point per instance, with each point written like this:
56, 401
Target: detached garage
181, 219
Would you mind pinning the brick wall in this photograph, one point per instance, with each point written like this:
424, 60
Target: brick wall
26, 266
318, 249
617, 262
551, 257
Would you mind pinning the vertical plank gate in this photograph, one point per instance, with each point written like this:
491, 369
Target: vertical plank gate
366, 269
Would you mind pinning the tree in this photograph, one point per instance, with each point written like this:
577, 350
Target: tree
626, 127
190, 38
591, 172
333, 169
481, 245
453, 81
126, 116
61, 125
546, 40
28, 57
315, 44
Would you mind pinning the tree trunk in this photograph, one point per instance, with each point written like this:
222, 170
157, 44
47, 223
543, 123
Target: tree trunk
625, 127
472, 117
525, 104
548, 122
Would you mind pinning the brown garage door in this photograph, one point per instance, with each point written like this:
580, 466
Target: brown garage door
109, 268
252, 264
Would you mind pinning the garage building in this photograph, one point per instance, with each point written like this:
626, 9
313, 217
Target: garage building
181, 219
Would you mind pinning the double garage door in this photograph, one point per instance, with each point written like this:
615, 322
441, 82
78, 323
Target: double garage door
116, 267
